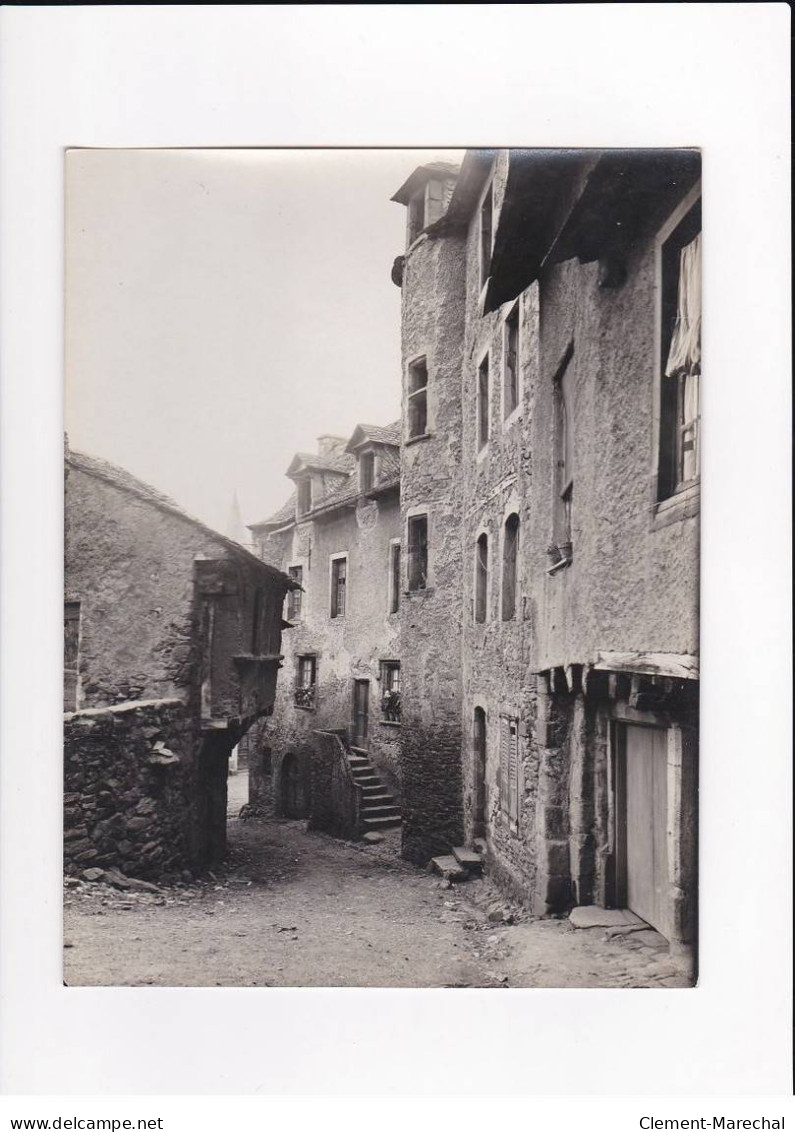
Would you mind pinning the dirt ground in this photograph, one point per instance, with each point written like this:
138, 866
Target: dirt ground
297, 909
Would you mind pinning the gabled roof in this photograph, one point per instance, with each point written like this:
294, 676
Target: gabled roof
123, 480
433, 170
376, 434
306, 461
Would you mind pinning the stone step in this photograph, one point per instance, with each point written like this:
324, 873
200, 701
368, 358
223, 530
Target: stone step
367, 780
380, 811
449, 868
360, 751
471, 861
364, 768
375, 789
379, 798
381, 823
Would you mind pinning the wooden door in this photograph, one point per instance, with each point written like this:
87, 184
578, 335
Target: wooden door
361, 712
646, 793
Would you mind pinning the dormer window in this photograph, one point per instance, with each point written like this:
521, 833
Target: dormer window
425, 208
367, 471
304, 495
416, 215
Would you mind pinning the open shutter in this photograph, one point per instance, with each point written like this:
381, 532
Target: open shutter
504, 763
513, 770
433, 201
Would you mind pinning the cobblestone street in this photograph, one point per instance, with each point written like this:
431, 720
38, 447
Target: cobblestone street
294, 908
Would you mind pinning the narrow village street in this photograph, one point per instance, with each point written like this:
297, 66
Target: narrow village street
293, 908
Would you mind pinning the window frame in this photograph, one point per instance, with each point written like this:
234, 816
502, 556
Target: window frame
514, 311
295, 597
481, 402
394, 579
335, 560
411, 520
480, 605
385, 667
510, 784
514, 514
300, 686
484, 264
563, 477
304, 486
417, 396
367, 460
683, 500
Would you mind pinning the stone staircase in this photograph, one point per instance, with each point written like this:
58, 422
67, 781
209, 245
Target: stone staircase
461, 864
378, 806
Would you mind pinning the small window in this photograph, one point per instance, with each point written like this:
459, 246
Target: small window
418, 552
294, 596
509, 767
306, 682
564, 453
394, 577
681, 357
483, 403
367, 471
71, 649
390, 691
481, 577
418, 398
416, 215
339, 582
510, 388
510, 551
486, 225
304, 495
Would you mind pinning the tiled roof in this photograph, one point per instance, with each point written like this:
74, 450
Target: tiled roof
330, 463
125, 481
378, 434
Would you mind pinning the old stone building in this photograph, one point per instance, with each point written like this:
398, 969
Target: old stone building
551, 333
338, 537
172, 644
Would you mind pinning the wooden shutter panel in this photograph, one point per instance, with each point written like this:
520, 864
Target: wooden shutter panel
504, 763
513, 769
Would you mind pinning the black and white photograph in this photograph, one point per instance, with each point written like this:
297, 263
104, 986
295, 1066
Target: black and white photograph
395, 652
381, 631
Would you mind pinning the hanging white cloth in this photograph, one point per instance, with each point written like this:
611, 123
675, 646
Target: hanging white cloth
684, 355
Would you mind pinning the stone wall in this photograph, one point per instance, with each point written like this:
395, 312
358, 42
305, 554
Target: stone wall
129, 789
347, 648
335, 798
498, 482
433, 309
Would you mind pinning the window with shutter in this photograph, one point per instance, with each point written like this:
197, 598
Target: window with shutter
434, 201
509, 766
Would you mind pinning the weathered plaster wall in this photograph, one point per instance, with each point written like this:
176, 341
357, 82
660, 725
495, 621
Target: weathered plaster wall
167, 612
132, 567
633, 583
348, 648
433, 311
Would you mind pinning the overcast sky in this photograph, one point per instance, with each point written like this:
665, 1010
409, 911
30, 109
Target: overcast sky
226, 307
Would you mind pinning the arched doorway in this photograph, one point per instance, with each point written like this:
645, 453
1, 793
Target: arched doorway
479, 772
293, 793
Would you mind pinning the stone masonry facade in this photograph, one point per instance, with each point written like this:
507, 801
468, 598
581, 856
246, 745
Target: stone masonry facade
172, 637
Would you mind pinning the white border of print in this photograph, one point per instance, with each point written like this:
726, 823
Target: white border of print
714, 75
